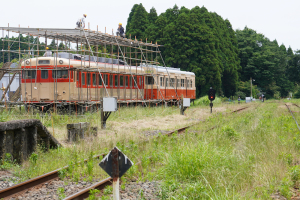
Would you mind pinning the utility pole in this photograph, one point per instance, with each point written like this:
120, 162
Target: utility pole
251, 88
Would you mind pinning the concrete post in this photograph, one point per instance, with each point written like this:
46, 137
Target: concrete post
32, 139
9, 142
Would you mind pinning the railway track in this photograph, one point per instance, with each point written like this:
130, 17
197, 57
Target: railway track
293, 114
19, 189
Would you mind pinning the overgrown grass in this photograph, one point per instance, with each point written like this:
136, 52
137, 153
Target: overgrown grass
249, 155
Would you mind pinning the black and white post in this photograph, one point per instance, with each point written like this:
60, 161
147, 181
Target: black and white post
115, 164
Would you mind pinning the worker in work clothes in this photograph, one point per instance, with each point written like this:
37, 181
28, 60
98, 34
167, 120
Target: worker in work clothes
81, 23
239, 100
48, 52
120, 31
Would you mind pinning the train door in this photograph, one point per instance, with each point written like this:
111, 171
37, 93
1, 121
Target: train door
44, 89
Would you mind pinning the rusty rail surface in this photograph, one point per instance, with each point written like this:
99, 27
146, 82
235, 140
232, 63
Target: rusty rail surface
27, 185
293, 115
83, 194
31, 183
108, 181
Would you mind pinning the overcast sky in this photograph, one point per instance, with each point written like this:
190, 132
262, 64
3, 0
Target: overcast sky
276, 19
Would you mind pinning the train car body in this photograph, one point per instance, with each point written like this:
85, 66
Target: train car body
52, 79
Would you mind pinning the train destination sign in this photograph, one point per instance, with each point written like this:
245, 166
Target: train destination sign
115, 163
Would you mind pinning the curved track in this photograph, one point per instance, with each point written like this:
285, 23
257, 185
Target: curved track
18, 189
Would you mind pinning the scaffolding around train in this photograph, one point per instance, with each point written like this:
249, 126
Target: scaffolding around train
125, 68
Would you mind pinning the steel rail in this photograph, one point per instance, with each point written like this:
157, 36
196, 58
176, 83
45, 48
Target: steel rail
83, 194
293, 115
108, 181
26, 185
31, 183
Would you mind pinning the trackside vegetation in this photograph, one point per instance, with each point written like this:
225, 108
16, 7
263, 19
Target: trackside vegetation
248, 155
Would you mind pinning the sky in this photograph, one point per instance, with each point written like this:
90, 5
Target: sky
276, 19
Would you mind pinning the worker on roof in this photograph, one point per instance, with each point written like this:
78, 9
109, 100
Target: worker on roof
120, 31
48, 52
81, 22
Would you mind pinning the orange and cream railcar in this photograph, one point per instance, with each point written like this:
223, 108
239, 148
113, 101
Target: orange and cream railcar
49, 79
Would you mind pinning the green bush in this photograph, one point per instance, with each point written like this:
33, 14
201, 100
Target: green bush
229, 132
204, 101
295, 174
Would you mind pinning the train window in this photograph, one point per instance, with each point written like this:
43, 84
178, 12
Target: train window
105, 79
182, 82
162, 81
178, 82
149, 80
135, 81
116, 80
29, 74
82, 78
99, 79
111, 80
44, 74
191, 83
126, 81
94, 79
187, 83
44, 62
172, 81
88, 78
167, 82
60, 74
130, 80
121, 81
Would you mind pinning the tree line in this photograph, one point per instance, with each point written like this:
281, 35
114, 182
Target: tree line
203, 42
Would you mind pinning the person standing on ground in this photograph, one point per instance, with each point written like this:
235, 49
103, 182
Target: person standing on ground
81, 22
239, 100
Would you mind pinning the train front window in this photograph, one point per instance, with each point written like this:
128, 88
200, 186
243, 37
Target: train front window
29, 74
44, 74
167, 82
44, 62
60, 74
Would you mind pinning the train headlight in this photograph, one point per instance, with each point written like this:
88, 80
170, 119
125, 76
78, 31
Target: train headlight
27, 62
61, 62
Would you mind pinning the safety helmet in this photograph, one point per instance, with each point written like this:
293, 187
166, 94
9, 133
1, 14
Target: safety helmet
120, 24
47, 48
84, 15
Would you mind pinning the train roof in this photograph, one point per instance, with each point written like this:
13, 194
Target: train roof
172, 70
